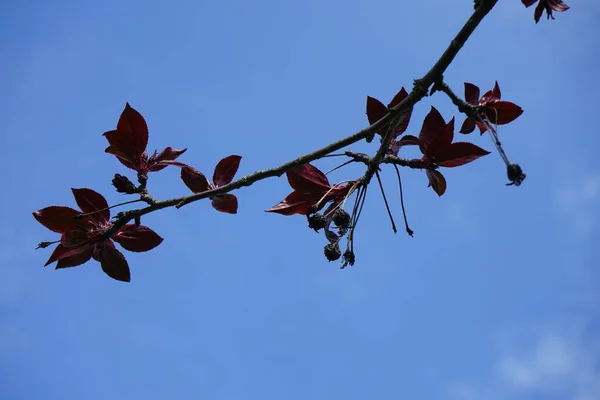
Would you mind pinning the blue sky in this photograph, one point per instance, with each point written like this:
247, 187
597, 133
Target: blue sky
495, 297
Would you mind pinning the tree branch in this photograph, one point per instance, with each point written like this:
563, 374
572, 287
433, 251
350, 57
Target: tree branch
422, 85
392, 119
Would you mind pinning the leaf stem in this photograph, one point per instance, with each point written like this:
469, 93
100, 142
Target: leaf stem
387, 207
408, 230
78, 216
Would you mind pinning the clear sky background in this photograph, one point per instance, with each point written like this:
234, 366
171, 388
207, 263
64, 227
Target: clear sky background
495, 297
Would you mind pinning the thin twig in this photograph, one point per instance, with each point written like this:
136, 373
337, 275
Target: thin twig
339, 166
358, 206
408, 230
78, 216
387, 207
333, 155
391, 159
470, 110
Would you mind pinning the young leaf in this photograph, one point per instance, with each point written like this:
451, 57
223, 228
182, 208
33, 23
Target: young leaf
459, 153
441, 141
432, 128
471, 93
92, 202
59, 219
375, 110
296, 203
491, 96
226, 170
132, 125
401, 95
468, 126
307, 178
165, 158
436, 181
504, 111
74, 257
195, 180
226, 203
70, 257
113, 263
137, 238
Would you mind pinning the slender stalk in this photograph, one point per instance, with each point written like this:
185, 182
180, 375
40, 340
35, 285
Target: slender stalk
78, 216
387, 207
408, 230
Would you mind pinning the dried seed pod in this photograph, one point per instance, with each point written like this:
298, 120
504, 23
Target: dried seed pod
317, 221
332, 251
341, 218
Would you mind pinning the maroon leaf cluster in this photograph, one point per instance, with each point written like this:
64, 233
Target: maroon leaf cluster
490, 109
224, 172
376, 110
312, 191
545, 5
435, 142
128, 143
83, 235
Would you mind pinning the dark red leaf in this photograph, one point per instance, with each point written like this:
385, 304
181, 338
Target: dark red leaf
401, 95
433, 127
436, 181
226, 203
165, 158
448, 133
398, 98
307, 178
505, 111
471, 94
60, 219
375, 110
120, 144
459, 153
409, 140
164, 164
59, 252
91, 202
137, 238
74, 238
132, 124
113, 262
496, 94
435, 135
468, 126
127, 159
442, 141
296, 203
404, 125
195, 180
482, 127
74, 256
491, 96
226, 170
548, 5
406, 140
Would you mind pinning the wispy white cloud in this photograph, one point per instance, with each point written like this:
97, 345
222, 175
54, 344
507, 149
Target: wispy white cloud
554, 365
